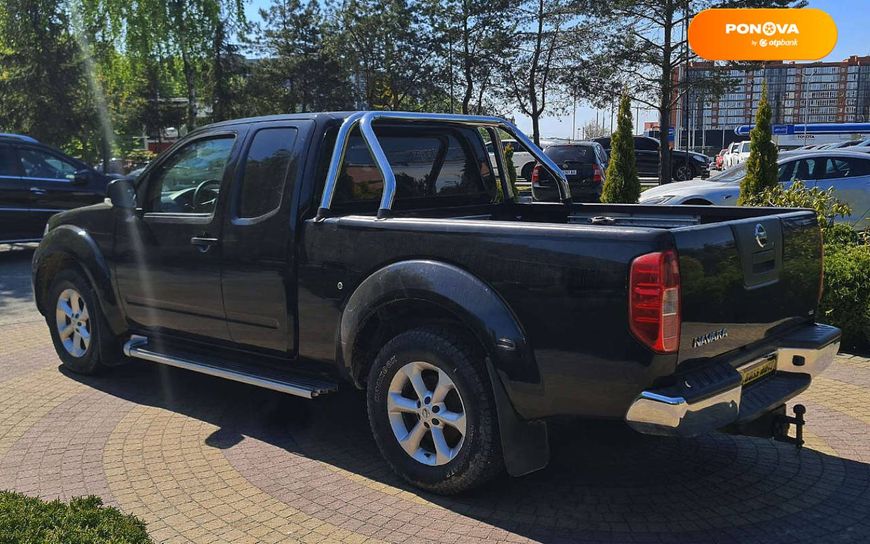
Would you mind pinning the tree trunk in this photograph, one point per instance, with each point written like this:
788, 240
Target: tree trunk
536, 131
190, 82
466, 65
665, 99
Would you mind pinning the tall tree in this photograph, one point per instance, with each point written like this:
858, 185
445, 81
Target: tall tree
546, 45
649, 44
761, 168
43, 88
388, 48
472, 35
298, 69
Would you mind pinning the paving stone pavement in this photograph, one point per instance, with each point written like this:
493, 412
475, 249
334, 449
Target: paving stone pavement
204, 460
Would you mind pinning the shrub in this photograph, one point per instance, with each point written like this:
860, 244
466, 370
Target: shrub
846, 299
827, 207
761, 168
621, 183
83, 520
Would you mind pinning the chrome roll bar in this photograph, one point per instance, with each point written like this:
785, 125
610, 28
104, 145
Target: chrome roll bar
365, 121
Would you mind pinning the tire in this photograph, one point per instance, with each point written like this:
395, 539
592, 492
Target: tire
526, 171
683, 172
70, 298
465, 460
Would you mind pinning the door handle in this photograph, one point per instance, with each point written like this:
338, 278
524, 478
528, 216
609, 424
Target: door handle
38, 191
204, 243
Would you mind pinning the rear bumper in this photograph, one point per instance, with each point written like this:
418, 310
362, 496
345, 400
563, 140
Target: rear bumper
715, 397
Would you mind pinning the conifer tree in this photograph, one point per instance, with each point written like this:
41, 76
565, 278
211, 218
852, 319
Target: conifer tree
621, 184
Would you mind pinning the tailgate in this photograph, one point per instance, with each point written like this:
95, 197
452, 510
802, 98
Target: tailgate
745, 280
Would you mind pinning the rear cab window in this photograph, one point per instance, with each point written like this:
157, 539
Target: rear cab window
434, 167
265, 171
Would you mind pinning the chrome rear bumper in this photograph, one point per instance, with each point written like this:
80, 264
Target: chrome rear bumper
808, 351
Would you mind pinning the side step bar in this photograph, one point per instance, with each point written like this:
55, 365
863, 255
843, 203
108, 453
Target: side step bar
300, 386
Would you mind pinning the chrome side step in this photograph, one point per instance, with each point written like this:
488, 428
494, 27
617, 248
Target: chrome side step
300, 386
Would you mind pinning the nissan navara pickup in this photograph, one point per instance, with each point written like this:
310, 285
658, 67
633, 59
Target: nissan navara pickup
386, 251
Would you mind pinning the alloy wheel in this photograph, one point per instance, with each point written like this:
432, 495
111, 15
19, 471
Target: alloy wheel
73, 322
426, 413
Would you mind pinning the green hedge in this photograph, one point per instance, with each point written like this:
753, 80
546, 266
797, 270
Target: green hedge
846, 299
84, 520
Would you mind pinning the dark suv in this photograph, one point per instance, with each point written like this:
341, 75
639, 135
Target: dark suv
646, 150
583, 164
36, 182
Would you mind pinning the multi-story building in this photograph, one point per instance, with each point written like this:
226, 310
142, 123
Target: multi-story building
798, 93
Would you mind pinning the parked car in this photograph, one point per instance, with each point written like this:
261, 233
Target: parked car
646, 151
719, 163
728, 159
37, 181
583, 164
847, 172
741, 152
294, 259
523, 160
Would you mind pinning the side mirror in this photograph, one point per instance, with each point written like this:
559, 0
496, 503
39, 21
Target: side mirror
82, 177
122, 194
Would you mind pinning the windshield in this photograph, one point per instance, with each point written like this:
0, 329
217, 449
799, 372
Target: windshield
732, 174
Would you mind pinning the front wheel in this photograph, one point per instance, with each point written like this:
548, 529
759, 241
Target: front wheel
79, 331
432, 412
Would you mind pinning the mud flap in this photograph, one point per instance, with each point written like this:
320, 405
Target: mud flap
524, 444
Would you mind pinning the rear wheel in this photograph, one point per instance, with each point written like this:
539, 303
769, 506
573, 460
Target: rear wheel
432, 412
683, 172
78, 329
526, 172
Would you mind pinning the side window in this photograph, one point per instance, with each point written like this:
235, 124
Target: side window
190, 180
8, 160
645, 144
430, 167
785, 171
809, 169
36, 163
265, 171
519, 148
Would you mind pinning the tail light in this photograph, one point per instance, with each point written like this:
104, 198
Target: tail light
654, 300
536, 175
597, 174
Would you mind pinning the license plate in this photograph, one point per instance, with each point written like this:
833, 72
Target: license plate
570, 172
757, 369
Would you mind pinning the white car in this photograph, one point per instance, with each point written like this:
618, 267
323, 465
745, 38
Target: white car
848, 172
741, 153
728, 158
523, 160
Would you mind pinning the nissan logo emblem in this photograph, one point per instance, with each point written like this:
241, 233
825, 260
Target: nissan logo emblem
760, 235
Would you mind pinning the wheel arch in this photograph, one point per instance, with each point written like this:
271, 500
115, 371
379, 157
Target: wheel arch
406, 294
68, 246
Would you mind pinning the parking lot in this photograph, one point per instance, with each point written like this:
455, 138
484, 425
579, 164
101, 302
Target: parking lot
203, 460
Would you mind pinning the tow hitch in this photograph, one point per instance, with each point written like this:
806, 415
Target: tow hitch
781, 423
775, 424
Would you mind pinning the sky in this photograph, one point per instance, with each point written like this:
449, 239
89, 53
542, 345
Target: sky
852, 18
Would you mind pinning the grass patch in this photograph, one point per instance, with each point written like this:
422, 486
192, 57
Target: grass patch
83, 520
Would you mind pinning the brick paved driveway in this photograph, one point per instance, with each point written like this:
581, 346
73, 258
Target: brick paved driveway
204, 460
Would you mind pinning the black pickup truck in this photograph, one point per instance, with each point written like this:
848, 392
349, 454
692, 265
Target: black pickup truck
383, 251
